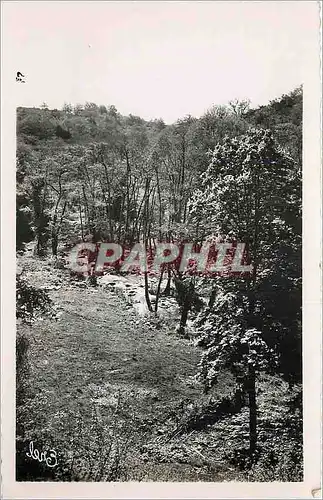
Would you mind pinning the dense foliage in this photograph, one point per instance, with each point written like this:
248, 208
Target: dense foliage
31, 302
89, 170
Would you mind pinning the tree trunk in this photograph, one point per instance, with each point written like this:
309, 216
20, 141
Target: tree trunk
183, 321
54, 244
150, 308
158, 289
212, 298
160, 211
166, 292
127, 196
251, 389
40, 220
186, 309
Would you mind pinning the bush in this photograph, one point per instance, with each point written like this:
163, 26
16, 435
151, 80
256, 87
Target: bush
86, 450
199, 416
31, 302
282, 461
22, 367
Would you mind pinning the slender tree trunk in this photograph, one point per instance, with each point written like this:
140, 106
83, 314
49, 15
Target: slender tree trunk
212, 298
145, 240
150, 307
186, 309
183, 320
81, 219
40, 219
127, 196
86, 209
251, 389
166, 292
159, 203
120, 221
108, 204
54, 243
185, 211
158, 289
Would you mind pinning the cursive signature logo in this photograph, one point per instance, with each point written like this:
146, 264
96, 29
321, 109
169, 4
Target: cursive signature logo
49, 457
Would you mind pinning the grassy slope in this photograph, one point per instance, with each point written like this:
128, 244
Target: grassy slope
107, 391
99, 366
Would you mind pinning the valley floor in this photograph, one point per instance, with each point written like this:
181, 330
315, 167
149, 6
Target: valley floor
108, 391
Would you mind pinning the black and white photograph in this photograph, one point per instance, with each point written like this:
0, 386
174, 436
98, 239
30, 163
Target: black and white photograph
159, 240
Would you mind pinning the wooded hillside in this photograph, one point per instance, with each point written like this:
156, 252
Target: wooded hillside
87, 173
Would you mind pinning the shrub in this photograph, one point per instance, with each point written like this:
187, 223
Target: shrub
281, 461
88, 447
31, 302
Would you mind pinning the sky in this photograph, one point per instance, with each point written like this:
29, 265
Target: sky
156, 59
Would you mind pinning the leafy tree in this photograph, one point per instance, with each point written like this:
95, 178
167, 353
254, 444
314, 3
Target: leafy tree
67, 108
60, 132
31, 302
36, 125
284, 117
251, 193
240, 107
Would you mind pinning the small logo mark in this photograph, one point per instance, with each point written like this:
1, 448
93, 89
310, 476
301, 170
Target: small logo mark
20, 77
